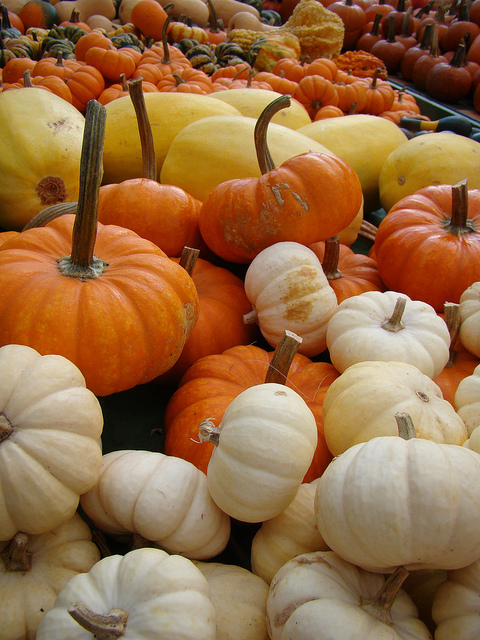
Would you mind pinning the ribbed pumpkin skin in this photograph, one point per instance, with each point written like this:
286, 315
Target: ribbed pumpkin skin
209, 385
309, 198
121, 329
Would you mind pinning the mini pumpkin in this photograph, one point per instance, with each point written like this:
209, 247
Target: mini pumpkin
469, 318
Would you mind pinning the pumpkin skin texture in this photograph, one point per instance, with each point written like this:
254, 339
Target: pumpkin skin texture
49, 452
358, 332
163, 498
469, 316
451, 158
165, 596
57, 556
212, 382
288, 289
321, 596
129, 317
248, 481
418, 253
390, 502
30, 182
361, 404
467, 400
310, 197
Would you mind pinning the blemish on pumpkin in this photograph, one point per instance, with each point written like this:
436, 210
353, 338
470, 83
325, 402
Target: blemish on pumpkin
423, 396
57, 126
299, 285
51, 190
280, 393
401, 180
277, 195
301, 202
283, 616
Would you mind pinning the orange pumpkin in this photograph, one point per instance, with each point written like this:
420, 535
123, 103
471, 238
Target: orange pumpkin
15, 67
111, 63
86, 83
149, 16
92, 39
188, 80
209, 385
38, 13
55, 85
56, 67
315, 92
111, 302
309, 198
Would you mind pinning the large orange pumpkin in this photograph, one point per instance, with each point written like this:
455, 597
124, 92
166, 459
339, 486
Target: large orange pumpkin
309, 198
209, 385
111, 302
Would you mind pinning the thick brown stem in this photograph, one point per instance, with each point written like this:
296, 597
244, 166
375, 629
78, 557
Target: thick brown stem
82, 264
16, 557
380, 607
6, 428
406, 430
188, 259
282, 357
330, 258
265, 160
394, 323
149, 161
459, 224
102, 627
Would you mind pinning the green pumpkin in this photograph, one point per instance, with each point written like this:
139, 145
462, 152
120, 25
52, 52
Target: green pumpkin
267, 50
271, 17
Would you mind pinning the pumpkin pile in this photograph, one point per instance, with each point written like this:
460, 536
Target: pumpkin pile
312, 464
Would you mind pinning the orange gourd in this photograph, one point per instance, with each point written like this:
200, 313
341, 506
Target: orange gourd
56, 67
188, 80
309, 198
15, 67
315, 92
86, 83
149, 17
92, 39
111, 63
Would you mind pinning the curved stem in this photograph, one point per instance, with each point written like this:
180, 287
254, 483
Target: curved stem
406, 430
16, 557
265, 160
380, 607
394, 323
82, 264
149, 160
103, 627
331, 257
282, 357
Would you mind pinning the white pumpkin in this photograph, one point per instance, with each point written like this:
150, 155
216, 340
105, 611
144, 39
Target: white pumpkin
467, 400
291, 533
50, 425
362, 402
162, 498
145, 595
264, 446
321, 596
393, 502
388, 326
470, 318
33, 569
240, 601
288, 289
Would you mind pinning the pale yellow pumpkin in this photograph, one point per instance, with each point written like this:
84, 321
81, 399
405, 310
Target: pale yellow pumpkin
467, 400
470, 318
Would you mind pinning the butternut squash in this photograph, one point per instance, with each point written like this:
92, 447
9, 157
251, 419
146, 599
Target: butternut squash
197, 10
226, 9
247, 20
86, 8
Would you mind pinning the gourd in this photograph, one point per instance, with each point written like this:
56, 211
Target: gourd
467, 400
168, 115
145, 594
30, 182
453, 158
86, 8
34, 568
361, 404
469, 318
50, 425
392, 502
249, 481
288, 289
352, 138
240, 601
388, 326
161, 498
321, 595
292, 533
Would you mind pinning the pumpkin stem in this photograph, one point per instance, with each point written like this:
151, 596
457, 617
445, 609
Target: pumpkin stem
330, 258
6, 428
15, 556
265, 160
43, 217
103, 627
166, 47
251, 317
282, 357
208, 432
453, 322
27, 79
149, 160
460, 224
380, 606
188, 259
394, 323
406, 430
82, 264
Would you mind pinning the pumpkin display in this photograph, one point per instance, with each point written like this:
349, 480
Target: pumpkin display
162, 498
288, 290
247, 480
361, 404
240, 601
309, 198
30, 182
467, 400
386, 326
290, 534
90, 275
33, 569
401, 501
50, 426
469, 315
145, 594
321, 595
